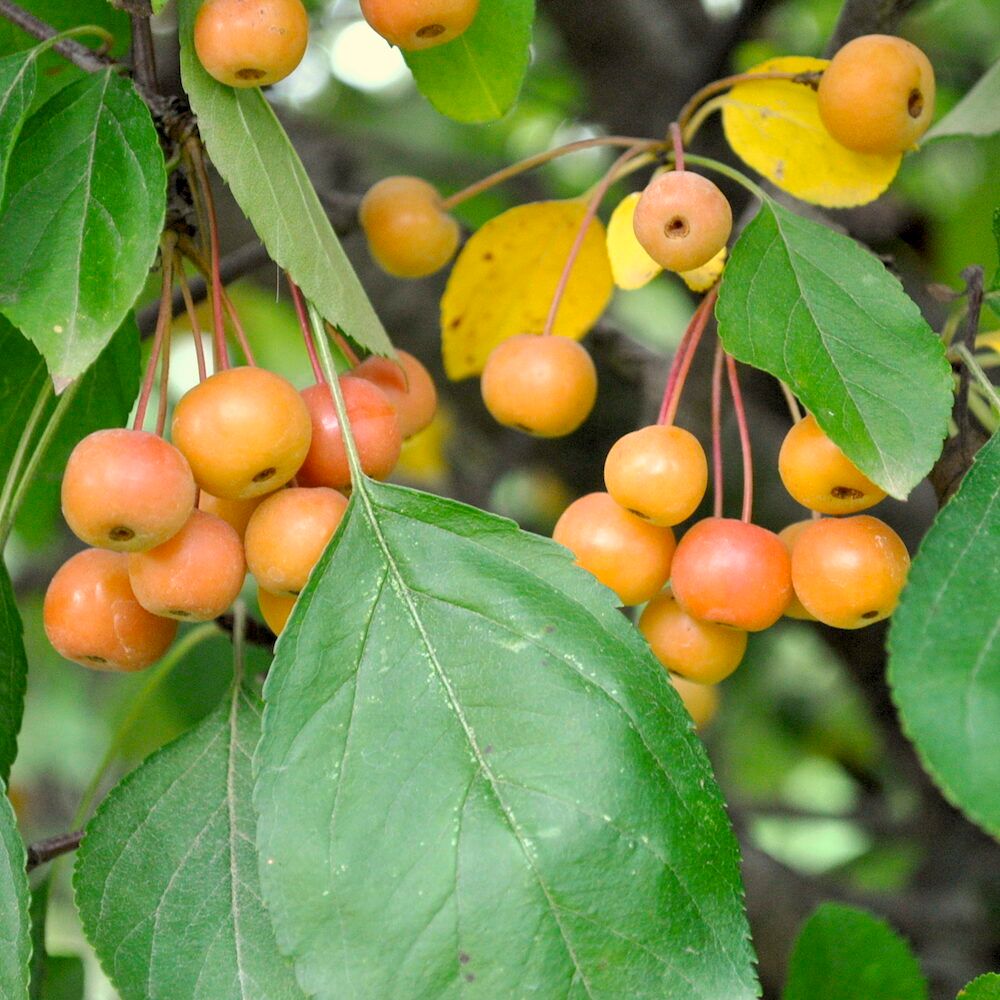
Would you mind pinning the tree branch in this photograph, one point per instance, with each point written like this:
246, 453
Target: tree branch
143, 53
86, 59
866, 17
43, 851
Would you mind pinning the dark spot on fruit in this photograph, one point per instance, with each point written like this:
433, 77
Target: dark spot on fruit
179, 613
249, 73
95, 659
676, 228
868, 615
430, 31
121, 534
464, 958
264, 475
638, 513
846, 493
915, 105
523, 427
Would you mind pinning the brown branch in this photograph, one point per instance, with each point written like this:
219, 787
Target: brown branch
143, 53
866, 17
43, 851
86, 59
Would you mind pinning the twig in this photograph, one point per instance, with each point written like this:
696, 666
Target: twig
79, 55
973, 277
43, 851
143, 52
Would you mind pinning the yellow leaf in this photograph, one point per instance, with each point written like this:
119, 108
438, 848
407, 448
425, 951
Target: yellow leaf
423, 460
504, 279
702, 278
990, 340
774, 126
631, 266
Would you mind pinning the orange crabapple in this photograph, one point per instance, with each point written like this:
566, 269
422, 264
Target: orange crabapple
849, 572
275, 609
789, 535
732, 573
658, 473
627, 554
419, 24
92, 617
245, 432
700, 700
236, 513
407, 385
196, 575
126, 490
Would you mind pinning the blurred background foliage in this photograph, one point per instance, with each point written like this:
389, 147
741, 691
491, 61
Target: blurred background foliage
825, 801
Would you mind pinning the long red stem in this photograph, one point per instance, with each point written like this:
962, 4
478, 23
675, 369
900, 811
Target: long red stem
741, 422
592, 206
677, 139
164, 318
161, 410
343, 346
684, 357
215, 279
307, 335
192, 314
717, 469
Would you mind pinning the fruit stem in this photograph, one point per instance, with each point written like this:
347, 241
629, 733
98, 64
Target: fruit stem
988, 388
717, 467
239, 644
809, 79
350, 355
794, 410
698, 118
678, 143
164, 319
683, 358
593, 205
192, 315
539, 159
307, 337
741, 422
734, 175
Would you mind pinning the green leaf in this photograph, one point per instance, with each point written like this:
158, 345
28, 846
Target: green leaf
478, 76
166, 876
944, 645
104, 399
13, 674
818, 311
253, 154
847, 954
81, 220
473, 771
15, 900
984, 988
17, 89
977, 115
53, 977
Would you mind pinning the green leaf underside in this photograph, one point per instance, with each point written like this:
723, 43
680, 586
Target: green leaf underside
166, 877
252, 152
984, 988
977, 115
847, 954
13, 674
17, 89
15, 900
81, 220
104, 399
474, 779
944, 645
478, 76
818, 311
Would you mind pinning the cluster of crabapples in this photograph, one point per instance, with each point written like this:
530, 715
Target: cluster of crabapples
255, 478
255, 43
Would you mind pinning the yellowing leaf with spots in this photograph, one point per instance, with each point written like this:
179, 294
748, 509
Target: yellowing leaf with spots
774, 126
631, 266
506, 275
702, 278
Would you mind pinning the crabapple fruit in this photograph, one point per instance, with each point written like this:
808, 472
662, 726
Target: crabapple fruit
275, 608
419, 24
236, 513
407, 385
789, 536
700, 700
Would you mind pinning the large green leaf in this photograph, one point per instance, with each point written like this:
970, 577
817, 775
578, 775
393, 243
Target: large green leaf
253, 154
15, 900
166, 876
53, 977
81, 220
13, 674
984, 988
944, 645
474, 778
103, 399
977, 115
847, 954
477, 77
818, 311
17, 88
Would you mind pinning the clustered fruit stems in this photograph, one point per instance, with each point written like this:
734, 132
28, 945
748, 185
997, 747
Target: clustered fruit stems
684, 357
160, 352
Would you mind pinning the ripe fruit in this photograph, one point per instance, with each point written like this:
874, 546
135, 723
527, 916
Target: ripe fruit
877, 95
732, 573
374, 425
700, 700
288, 533
419, 25
236, 513
630, 556
659, 473
195, 575
245, 432
545, 386
126, 490
820, 476
276, 609
407, 385
251, 43
409, 234
849, 572
700, 651
91, 615
682, 220
789, 536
